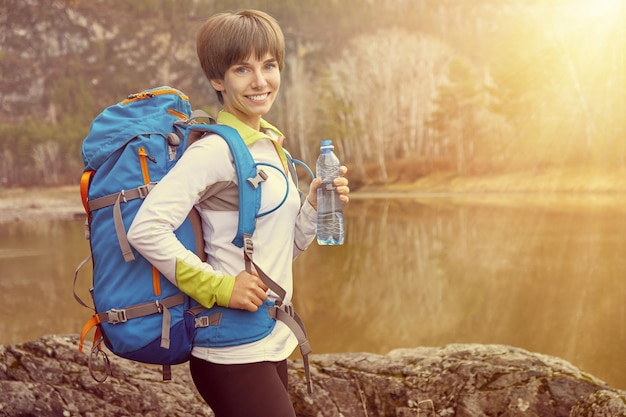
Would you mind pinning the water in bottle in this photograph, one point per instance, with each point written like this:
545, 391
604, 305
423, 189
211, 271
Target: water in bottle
330, 227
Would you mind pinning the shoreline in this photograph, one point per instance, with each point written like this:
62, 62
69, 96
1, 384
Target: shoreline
64, 202
41, 203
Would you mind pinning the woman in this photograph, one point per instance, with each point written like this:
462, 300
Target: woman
242, 55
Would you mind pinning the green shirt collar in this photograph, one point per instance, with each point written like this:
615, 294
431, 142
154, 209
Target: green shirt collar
250, 135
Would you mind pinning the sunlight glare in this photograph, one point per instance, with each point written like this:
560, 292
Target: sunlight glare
596, 9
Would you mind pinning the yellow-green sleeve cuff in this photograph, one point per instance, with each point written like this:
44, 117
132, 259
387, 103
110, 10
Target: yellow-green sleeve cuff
207, 288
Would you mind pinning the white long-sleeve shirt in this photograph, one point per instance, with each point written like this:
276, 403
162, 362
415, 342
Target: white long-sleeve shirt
279, 237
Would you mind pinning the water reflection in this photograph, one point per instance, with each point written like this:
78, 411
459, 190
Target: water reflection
530, 273
37, 260
544, 275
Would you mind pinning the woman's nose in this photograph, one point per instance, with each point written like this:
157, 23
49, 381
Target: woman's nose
259, 80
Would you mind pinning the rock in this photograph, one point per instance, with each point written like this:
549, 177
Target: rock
48, 377
601, 403
456, 380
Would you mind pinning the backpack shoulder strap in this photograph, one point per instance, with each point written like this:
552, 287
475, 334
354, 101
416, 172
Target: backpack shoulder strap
248, 177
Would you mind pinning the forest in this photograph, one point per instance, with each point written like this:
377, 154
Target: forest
406, 88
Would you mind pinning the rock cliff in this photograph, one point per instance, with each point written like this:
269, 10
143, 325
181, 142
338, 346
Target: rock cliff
48, 377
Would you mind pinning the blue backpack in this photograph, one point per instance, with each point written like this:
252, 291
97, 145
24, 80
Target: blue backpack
139, 314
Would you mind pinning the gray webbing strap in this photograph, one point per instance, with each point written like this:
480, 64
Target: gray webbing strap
124, 195
248, 248
214, 319
76, 271
114, 316
287, 315
115, 200
282, 312
167, 372
165, 328
197, 113
120, 231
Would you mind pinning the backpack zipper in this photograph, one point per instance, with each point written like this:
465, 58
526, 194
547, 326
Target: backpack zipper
177, 114
143, 162
150, 94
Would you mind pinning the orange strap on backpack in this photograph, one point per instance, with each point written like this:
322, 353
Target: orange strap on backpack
143, 162
85, 179
93, 322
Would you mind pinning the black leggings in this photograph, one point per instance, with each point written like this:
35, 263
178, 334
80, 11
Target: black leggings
247, 390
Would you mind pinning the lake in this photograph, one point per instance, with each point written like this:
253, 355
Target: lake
546, 273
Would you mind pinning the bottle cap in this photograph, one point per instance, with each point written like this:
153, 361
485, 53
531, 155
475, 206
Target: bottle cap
327, 144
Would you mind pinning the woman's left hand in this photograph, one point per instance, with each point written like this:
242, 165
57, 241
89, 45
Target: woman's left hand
340, 182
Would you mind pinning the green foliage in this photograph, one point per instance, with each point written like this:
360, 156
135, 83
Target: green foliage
22, 146
486, 86
456, 100
462, 123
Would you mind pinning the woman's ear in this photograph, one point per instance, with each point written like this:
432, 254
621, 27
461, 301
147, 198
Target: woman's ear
217, 85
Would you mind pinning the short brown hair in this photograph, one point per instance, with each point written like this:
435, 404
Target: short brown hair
227, 38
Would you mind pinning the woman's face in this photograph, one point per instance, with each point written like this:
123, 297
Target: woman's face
249, 88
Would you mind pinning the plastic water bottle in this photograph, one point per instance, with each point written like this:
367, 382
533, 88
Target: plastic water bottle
329, 207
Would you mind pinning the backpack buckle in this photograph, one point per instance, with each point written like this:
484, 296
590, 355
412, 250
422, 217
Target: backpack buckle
206, 321
288, 308
248, 245
259, 178
143, 190
116, 316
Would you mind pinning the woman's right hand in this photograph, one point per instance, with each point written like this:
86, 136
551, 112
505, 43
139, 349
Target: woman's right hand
249, 292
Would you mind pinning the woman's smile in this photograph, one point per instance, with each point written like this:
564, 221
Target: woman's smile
258, 98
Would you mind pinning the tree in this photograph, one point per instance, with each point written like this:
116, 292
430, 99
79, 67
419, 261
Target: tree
379, 93
454, 119
295, 103
550, 81
46, 157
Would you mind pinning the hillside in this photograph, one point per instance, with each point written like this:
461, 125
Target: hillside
480, 90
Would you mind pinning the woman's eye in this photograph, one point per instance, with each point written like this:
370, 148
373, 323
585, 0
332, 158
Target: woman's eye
270, 67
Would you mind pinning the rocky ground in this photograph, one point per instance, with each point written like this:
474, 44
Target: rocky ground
48, 377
